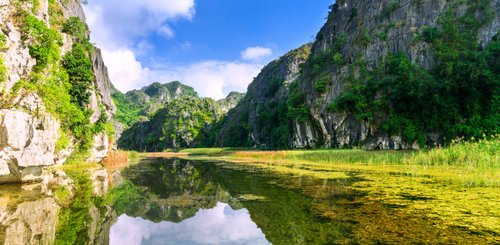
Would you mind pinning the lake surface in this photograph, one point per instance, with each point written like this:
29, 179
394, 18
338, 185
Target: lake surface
176, 201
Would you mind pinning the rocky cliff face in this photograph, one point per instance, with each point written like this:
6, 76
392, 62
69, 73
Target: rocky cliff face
255, 121
358, 37
37, 106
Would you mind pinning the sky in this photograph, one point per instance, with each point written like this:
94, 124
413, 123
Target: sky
215, 46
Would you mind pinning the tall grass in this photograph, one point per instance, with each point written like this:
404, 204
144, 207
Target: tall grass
481, 154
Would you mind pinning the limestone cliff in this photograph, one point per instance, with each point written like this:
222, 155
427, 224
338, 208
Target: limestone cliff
359, 38
260, 119
46, 112
136, 105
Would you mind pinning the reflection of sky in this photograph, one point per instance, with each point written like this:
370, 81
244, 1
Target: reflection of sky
220, 225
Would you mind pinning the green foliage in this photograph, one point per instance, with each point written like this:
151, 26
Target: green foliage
431, 34
338, 59
78, 29
44, 42
363, 39
320, 86
81, 76
55, 93
127, 110
382, 35
182, 123
391, 7
56, 15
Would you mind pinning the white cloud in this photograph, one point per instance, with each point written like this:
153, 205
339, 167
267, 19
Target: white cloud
255, 53
213, 79
166, 31
124, 69
116, 23
121, 29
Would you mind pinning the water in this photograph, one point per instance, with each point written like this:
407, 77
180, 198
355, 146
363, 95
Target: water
219, 225
175, 201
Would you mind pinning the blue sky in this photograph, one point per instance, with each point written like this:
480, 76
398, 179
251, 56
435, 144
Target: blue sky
216, 46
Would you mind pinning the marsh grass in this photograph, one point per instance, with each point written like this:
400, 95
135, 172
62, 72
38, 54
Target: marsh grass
471, 164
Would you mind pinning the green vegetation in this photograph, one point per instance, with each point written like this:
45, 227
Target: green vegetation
63, 84
479, 159
76, 28
138, 105
183, 122
460, 97
390, 8
81, 76
320, 86
44, 43
127, 111
322, 202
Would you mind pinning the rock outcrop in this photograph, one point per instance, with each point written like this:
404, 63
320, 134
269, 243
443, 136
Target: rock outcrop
27, 142
30, 132
250, 122
136, 105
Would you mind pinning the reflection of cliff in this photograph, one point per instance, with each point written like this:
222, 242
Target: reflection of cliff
174, 190
168, 190
28, 221
34, 214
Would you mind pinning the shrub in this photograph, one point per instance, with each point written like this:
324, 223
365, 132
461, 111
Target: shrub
81, 76
45, 42
320, 86
78, 29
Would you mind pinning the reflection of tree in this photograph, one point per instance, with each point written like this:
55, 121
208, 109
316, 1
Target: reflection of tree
167, 190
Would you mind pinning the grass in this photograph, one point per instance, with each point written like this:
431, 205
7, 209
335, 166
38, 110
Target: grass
472, 164
482, 154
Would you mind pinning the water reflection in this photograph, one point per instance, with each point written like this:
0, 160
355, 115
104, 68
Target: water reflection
219, 225
195, 202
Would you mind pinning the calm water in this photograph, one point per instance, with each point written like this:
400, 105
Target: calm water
174, 201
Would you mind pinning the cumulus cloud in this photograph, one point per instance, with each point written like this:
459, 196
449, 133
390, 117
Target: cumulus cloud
255, 53
121, 30
213, 79
124, 69
116, 23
